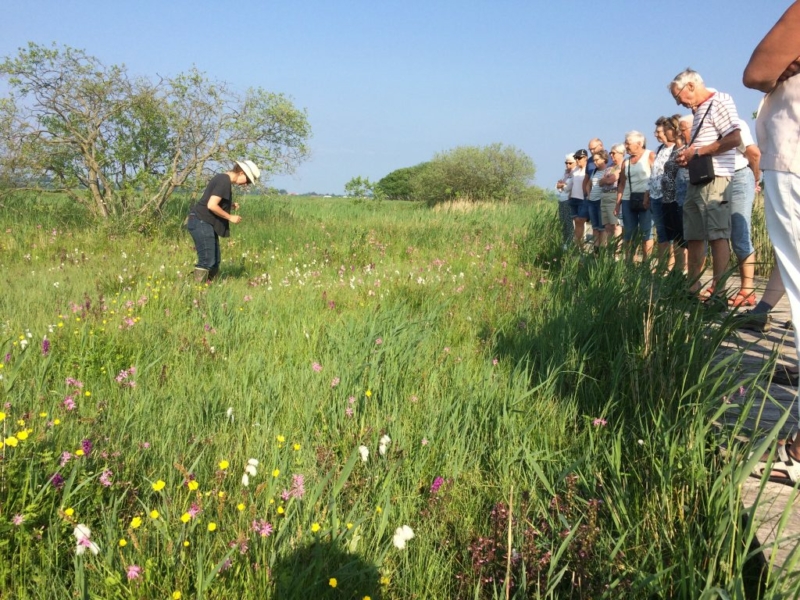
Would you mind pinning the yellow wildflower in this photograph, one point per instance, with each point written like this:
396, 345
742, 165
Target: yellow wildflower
158, 485
240, 506
87, 393
349, 525
332, 582
186, 517
11, 441
2, 415
154, 514
22, 435
193, 485
280, 510
223, 464
186, 543
296, 447
315, 527
123, 543
56, 421
280, 439
79, 452
368, 393
136, 522
212, 526
276, 472
69, 512
385, 580
176, 595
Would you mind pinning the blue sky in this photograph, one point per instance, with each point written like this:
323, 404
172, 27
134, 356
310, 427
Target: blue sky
388, 83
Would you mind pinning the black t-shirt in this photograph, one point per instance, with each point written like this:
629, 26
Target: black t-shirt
220, 185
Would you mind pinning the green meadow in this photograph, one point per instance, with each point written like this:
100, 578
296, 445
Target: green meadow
543, 422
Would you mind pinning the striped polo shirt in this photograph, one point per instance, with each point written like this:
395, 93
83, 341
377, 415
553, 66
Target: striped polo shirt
721, 119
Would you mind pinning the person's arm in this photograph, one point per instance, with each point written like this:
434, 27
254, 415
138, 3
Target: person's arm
214, 207
587, 186
753, 156
773, 57
620, 189
732, 140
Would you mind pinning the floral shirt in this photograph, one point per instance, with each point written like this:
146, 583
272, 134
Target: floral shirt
673, 176
658, 170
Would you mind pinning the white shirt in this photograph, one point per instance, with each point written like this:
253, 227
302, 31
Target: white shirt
747, 140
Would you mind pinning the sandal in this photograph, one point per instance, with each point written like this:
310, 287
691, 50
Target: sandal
742, 299
706, 294
784, 469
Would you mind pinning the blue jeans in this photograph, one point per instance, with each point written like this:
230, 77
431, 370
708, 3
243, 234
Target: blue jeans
594, 214
743, 192
636, 224
578, 208
657, 209
206, 242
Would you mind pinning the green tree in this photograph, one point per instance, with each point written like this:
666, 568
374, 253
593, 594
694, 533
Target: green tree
397, 185
489, 173
121, 144
362, 187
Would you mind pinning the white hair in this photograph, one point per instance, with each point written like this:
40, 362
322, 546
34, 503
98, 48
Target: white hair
684, 77
618, 148
687, 119
635, 136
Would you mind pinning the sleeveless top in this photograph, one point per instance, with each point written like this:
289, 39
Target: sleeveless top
637, 175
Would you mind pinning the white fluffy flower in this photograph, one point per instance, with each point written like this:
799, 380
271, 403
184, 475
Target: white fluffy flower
401, 536
229, 414
364, 452
383, 444
250, 470
82, 533
252, 462
245, 480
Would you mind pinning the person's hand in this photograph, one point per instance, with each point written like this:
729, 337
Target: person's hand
646, 203
790, 71
235, 219
616, 210
684, 156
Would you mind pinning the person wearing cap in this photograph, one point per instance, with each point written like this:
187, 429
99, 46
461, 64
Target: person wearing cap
210, 218
562, 187
579, 210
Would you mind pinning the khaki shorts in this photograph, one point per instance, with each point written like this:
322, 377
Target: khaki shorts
707, 211
607, 205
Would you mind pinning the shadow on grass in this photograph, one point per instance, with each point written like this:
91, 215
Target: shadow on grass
308, 573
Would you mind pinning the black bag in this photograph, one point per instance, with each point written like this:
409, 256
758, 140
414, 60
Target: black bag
701, 168
637, 202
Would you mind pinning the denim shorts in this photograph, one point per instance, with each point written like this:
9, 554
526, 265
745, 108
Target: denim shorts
578, 208
595, 215
743, 192
657, 208
636, 224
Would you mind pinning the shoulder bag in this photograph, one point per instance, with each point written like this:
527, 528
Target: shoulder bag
701, 168
637, 198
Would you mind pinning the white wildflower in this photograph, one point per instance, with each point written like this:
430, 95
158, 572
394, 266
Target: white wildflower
245, 480
252, 461
401, 536
229, 414
364, 452
250, 470
383, 444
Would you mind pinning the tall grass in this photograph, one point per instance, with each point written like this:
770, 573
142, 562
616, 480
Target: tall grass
564, 401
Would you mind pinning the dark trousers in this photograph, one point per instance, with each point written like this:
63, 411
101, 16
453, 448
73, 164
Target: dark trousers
206, 243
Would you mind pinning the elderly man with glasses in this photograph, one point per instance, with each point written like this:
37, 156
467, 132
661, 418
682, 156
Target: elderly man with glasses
707, 211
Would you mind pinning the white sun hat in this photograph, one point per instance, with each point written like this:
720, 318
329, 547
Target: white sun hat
250, 169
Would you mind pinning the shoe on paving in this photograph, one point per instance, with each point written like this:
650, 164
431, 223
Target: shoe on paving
750, 321
786, 376
742, 299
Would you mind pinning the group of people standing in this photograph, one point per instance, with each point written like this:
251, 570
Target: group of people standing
635, 190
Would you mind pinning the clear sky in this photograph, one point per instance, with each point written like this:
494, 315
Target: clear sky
388, 83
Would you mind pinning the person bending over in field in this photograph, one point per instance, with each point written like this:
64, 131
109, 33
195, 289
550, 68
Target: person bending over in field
209, 219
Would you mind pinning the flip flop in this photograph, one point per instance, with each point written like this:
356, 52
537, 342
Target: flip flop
784, 470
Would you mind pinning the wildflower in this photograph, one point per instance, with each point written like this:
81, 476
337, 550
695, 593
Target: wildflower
69, 403
79, 452
378, 341
296, 447
332, 582
262, 527
69, 512
245, 480
348, 411
251, 470
82, 534
158, 485
368, 393
229, 414
315, 527
317, 367
105, 478
349, 525
193, 485
45, 347
383, 444
495, 362
437, 483
212, 526
280, 439
364, 452
401, 536
385, 580
22, 435
276, 472
122, 543
280, 510
154, 514
424, 441
186, 517
176, 595
2, 416
335, 382
194, 510
599, 422
136, 522
298, 487
18, 520
134, 571
86, 446
223, 464
240, 507
640, 442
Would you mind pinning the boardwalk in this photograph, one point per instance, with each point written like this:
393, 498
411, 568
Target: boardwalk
776, 507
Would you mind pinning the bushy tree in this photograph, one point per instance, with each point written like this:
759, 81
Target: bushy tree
362, 187
121, 144
489, 173
397, 185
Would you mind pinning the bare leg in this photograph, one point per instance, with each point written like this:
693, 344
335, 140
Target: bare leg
774, 290
697, 260
747, 269
720, 257
580, 226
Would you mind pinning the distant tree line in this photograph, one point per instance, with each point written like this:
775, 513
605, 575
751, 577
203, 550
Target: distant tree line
478, 174
121, 144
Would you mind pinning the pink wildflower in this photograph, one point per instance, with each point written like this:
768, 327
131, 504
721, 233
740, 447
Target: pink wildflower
18, 519
134, 572
317, 367
65, 456
262, 527
105, 478
298, 487
599, 422
69, 403
334, 382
